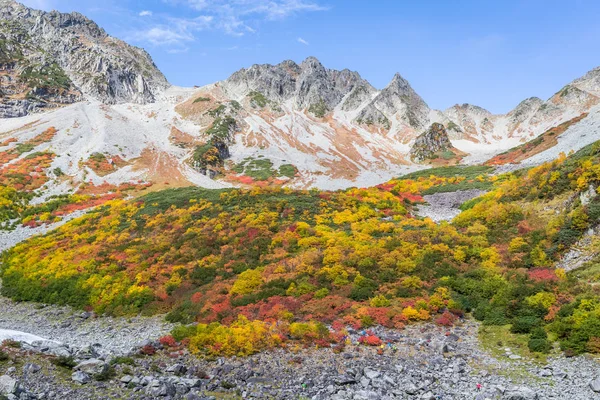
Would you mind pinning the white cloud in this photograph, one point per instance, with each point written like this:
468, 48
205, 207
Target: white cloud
160, 36
178, 50
175, 31
146, 13
234, 17
300, 40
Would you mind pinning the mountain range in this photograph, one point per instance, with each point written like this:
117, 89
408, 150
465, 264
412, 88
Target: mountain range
118, 120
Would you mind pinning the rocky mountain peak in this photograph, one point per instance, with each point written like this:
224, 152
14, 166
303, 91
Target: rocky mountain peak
307, 85
397, 100
590, 82
71, 52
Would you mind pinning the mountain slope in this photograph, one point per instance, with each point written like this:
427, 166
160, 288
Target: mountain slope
74, 49
301, 125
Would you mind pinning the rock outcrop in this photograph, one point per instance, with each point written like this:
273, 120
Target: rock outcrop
431, 144
307, 85
48, 59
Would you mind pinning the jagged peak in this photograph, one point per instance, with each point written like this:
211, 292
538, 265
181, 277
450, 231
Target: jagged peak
530, 103
311, 60
467, 107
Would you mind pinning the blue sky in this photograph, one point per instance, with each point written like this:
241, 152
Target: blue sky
489, 53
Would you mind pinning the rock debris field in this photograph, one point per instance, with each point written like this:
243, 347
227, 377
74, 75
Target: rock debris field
421, 362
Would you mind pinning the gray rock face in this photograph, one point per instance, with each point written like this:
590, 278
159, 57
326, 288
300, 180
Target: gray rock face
595, 385
92, 367
81, 377
78, 57
520, 393
306, 84
430, 143
399, 99
8, 386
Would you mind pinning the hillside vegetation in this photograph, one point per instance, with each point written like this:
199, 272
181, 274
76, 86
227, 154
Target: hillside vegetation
259, 267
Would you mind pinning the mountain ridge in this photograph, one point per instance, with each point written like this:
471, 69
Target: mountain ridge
326, 128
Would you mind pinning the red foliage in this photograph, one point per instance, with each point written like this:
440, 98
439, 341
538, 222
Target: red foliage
338, 325
168, 341
382, 316
370, 340
148, 350
446, 319
542, 275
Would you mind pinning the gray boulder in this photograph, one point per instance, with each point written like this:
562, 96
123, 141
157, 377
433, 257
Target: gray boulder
595, 385
520, 393
92, 367
9, 386
81, 377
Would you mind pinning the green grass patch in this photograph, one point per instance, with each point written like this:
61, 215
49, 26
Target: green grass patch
318, 109
201, 99
288, 170
496, 339
24, 147
258, 99
455, 187
469, 172
257, 169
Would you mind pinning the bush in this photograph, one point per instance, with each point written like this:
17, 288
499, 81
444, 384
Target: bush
121, 360
3, 356
539, 345
106, 375
64, 362
525, 324
11, 343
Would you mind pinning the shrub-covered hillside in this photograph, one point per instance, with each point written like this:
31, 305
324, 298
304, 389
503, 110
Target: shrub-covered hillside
356, 257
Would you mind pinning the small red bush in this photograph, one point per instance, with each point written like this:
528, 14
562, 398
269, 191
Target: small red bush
168, 341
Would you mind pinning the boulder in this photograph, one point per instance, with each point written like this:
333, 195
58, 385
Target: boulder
87, 352
520, 393
9, 386
81, 377
177, 369
595, 385
92, 367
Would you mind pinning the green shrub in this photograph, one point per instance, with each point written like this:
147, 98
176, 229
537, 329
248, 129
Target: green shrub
525, 324
257, 99
64, 362
122, 360
539, 345
318, 109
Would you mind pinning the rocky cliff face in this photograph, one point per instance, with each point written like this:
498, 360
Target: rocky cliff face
306, 85
30, 79
431, 144
397, 101
77, 56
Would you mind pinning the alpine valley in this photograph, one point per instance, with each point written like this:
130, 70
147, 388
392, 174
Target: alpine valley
222, 242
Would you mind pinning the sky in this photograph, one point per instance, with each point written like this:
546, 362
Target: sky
493, 54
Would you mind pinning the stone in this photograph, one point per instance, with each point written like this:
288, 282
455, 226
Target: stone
177, 369
595, 385
87, 353
31, 368
126, 379
92, 367
520, 393
371, 373
344, 380
157, 388
8, 385
81, 377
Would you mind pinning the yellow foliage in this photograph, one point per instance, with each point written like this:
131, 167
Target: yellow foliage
247, 282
